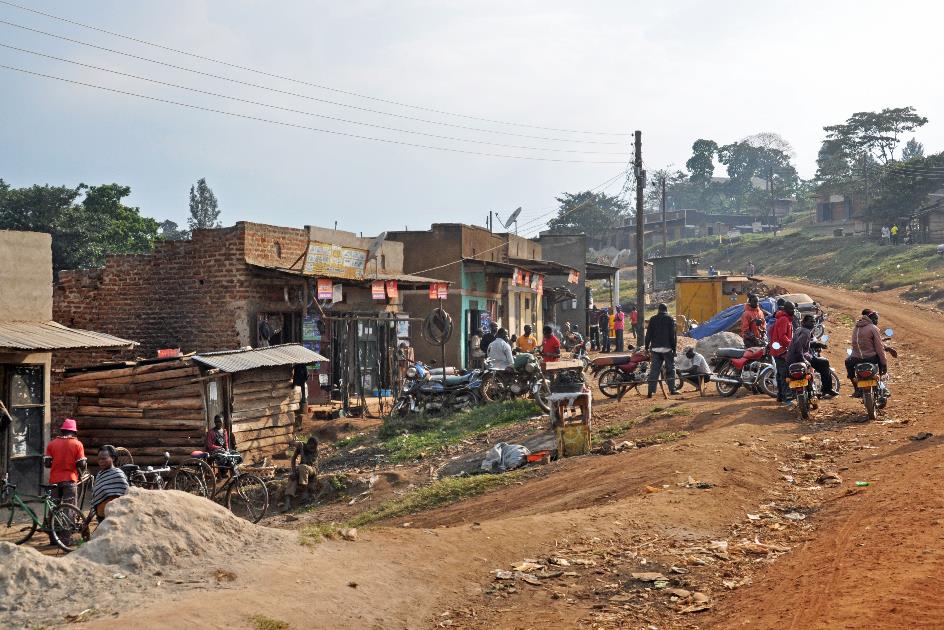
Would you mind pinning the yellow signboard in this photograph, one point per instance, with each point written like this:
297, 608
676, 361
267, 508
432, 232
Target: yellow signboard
335, 261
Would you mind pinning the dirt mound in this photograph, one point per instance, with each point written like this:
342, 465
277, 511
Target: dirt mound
149, 530
146, 534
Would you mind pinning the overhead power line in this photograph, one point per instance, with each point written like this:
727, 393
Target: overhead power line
300, 81
299, 111
304, 127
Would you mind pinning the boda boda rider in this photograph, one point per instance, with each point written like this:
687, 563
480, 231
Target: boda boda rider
753, 325
867, 347
801, 350
499, 351
782, 335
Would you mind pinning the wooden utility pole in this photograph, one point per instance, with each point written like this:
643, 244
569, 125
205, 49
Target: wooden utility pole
640, 238
665, 248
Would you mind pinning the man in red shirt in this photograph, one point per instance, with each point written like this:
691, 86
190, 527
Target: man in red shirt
551, 346
752, 323
65, 458
782, 335
634, 320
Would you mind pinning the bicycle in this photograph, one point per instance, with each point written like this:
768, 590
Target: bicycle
62, 521
244, 494
150, 478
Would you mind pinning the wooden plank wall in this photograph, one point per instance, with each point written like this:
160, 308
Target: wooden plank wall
147, 409
264, 404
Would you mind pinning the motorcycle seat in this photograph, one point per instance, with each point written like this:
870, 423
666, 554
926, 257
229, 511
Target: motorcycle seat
130, 469
730, 353
613, 360
453, 380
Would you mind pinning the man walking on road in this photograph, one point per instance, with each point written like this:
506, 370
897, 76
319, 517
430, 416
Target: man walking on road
661, 342
782, 335
634, 320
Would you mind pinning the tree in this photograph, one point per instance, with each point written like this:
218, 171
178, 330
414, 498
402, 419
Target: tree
913, 149
204, 210
83, 233
170, 231
588, 212
875, 133
701, 165
907, 186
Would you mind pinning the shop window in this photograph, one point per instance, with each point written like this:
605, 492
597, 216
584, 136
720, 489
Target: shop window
27, 409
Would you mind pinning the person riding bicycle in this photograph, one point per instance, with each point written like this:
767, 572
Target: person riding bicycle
304, 470
110, 483
800, 350
65, 459
867, 347
753, 325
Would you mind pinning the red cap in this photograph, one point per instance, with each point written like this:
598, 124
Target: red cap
69, 425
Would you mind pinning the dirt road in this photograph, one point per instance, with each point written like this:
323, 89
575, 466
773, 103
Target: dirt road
861, 557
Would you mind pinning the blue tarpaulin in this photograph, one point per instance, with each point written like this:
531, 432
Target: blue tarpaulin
727, 320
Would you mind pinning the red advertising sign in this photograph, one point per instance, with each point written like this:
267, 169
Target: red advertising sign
540, 287
392, 289
377, 290
433, 292
442, 291
325, 291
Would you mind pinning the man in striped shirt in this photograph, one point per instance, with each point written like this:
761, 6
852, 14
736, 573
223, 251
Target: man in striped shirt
110, 483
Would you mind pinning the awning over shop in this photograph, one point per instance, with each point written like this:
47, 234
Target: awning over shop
43, 336
404, 279
252, 358
545, 267
596, 271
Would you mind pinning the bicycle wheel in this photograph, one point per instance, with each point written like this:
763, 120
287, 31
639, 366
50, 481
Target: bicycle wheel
248, 497
65, 526
188, 481
18, 526
204, 471
122, 457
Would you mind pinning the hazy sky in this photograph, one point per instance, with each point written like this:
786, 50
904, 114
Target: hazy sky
676, 70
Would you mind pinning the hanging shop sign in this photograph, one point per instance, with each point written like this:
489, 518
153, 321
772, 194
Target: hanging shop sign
324, 289
442, 291
378, 290
335, 261
392, 292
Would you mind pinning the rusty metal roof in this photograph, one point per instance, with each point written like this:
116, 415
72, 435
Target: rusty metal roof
54, 336
252, 358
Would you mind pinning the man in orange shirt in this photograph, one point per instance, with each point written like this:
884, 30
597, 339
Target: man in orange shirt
65, 458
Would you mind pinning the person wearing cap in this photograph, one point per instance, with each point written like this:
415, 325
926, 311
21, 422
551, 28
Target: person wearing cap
867, 347
499, 351
65, 459
782, 335
662, 343
752, 323
110, 483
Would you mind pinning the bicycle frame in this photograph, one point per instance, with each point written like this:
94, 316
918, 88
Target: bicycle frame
18, 501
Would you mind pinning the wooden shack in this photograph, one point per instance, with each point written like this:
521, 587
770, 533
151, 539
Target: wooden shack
159, 405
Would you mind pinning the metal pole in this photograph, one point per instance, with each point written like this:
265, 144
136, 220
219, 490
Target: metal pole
640, 237
443, 351
665, 250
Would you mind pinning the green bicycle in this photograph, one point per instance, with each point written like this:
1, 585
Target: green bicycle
64, 522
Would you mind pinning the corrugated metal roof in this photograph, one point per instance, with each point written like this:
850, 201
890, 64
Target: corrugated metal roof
403, 277
252, 358
54, 336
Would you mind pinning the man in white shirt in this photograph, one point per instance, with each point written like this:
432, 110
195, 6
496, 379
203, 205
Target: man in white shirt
693, 368
499, 351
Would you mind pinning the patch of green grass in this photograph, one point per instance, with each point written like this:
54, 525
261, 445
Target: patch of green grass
350, 441
437, 494
416, 436
261, 622
614, 430
662, 438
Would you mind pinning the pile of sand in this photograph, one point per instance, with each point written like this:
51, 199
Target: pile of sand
146, 534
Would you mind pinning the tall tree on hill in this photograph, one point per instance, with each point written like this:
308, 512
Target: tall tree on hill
913, 149
589, 212
83, 233
204, 209
701, 166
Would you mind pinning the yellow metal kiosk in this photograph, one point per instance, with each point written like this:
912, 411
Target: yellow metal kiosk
702, 297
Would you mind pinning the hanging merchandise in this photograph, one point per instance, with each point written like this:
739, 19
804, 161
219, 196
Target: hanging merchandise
377, 290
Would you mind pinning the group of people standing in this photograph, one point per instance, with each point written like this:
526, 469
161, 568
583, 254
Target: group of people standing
891, 235
608, 328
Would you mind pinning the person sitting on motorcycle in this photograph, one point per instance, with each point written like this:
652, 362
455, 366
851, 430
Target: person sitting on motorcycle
753, 325
800, 350
782, 334
867, 347
551, 346
499, 351
693, 369
527, 342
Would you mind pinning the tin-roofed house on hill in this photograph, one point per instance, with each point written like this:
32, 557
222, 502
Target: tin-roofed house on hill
29, 339
157, 405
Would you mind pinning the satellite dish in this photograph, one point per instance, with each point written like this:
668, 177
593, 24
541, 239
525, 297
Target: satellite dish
513, 218
375, 246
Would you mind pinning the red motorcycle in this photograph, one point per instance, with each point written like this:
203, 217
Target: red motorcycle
752, 368
617, 373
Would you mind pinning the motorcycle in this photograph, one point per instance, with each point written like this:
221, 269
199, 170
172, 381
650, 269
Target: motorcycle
524, 378
616, 373
872, 383
421, 393
580, 353
752, 368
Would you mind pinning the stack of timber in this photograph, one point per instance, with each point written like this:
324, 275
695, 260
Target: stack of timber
264, 403
147, 408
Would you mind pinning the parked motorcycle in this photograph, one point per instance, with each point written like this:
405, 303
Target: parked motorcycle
752, 368
423, 394
524, 378
872, 383
616, 373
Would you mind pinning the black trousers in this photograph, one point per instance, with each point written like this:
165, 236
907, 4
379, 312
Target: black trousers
821, 365
851, 363
783, 391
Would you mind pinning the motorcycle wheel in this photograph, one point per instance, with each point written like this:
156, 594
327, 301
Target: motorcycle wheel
768, 383
803, 403
868, 399
818, 331
491, 390
726, 390
464, 401
401, 408
610, 381
540, 397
